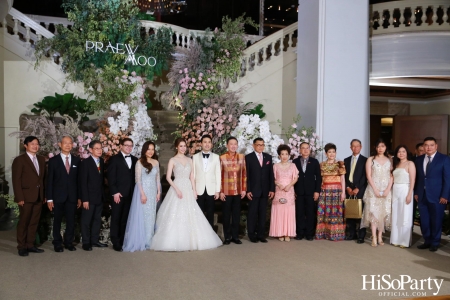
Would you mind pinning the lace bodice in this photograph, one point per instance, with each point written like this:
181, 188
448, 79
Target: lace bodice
181, 171
144, 178
381, 174
400, 176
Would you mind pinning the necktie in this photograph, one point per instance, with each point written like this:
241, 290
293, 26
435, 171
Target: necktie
67, 165
98, 164
205, 155
260, 158
428, 165
352, 169
35, 163
304, 165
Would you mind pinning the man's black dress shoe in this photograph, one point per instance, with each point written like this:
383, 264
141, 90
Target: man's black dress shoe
299, 237
423, 246
99, 245
70, 248
433, 248
35, 250
360, 241
236, 241
58, 248
253, 240
226, 242
347, 238
23, 252
117, 248
310, 238
87, 247
263, 240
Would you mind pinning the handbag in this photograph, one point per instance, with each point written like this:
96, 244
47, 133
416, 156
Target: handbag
353, 208
282, 200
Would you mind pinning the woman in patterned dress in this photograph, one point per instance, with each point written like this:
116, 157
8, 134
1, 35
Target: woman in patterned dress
330, 218
377, 198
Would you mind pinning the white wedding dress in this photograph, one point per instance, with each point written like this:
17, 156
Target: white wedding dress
180, 223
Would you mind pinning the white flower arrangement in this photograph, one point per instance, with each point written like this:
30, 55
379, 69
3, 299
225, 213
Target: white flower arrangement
135, 117
251, 127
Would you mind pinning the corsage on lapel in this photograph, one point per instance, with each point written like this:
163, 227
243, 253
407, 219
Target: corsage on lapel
268, 162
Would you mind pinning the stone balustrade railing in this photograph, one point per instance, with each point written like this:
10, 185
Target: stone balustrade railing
410, 16
24, 28
269, 48
50, 23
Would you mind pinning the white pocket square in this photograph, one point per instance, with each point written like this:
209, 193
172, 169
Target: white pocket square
74, 166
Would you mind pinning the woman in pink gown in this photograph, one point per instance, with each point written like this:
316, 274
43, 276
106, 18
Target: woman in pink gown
282, 221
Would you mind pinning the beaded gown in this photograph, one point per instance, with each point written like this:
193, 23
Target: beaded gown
378, 209
141, 219
402, 213
180, 223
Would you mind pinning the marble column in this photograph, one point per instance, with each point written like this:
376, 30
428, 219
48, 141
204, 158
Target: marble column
333, 71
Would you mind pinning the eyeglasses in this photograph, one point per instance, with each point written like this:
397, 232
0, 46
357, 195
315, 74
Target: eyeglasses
97, 148
127, 145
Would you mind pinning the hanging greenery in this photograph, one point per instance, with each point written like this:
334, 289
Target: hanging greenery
94, 50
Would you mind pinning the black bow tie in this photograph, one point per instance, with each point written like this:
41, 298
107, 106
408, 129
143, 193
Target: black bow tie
127, 156
205, 155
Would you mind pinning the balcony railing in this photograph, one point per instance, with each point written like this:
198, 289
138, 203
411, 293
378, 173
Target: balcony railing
409, 16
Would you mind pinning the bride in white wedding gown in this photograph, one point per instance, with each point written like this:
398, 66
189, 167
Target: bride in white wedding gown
180, 223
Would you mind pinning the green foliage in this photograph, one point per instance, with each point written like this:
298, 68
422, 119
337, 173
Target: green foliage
230, 44
107, 21
11, 203
257, 110
65, 104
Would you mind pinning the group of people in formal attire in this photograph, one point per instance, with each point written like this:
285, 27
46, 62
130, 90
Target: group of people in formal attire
307, 196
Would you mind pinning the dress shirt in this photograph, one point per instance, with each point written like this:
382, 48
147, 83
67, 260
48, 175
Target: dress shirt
64, 162
425, 162
205, 160
127, 159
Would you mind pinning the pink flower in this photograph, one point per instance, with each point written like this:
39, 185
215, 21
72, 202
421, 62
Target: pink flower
181, 71
74, 144
133, 73
50, 155
193, 79
185, 70
201, 74
80, 139
294, 125
105, 149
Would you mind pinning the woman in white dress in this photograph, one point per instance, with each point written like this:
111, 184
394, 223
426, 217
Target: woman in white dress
180, 223
377, 197
402, 198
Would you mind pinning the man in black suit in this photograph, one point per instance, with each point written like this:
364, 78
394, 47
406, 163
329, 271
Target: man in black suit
62, 193
307, 190
356, 183
91, 180
260, 187
419, 151
121, 183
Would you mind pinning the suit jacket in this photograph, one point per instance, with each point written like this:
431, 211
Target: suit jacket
359, 175
28, 186
260, 179
209, 179
91, 181
310, 181
121, 179
436, 183
62, 187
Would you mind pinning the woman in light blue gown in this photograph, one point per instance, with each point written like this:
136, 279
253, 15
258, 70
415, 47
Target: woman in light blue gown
142, 216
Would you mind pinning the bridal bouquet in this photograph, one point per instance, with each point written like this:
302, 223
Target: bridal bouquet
251, 127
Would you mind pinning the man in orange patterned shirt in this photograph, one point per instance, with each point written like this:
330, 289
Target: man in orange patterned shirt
233, 189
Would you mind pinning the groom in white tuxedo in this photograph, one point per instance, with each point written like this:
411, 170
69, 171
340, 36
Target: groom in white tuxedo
207, 178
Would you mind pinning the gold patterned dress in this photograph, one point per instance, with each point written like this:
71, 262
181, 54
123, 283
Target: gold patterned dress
378, 209
330, 210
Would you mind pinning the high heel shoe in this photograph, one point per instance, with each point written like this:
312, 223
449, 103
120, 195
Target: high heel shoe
281, 239
380, 241
374, 241
287, 239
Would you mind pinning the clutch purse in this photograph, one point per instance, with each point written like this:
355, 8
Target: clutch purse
353, 208
282, 200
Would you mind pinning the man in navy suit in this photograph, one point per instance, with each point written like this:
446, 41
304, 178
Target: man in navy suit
307, 189
260, 187
121, 183
91, 180
62, 193
432, 192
